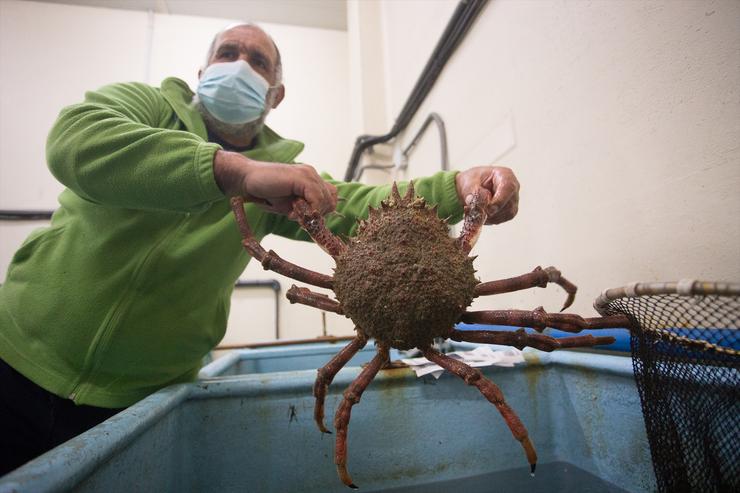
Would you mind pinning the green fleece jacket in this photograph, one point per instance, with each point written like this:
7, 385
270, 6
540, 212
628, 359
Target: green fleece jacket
130, 286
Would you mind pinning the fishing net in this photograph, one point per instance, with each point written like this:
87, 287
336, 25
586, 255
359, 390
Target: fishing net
686, 358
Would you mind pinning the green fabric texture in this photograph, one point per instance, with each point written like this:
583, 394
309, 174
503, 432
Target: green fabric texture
130, 285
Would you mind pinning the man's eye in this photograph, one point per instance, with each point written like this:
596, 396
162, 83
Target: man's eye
228, 54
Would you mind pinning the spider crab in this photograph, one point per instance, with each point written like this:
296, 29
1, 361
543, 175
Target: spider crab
404, 281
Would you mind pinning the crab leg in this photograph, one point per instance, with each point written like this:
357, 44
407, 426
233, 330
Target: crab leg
539, 278
351, 397
520, 339
327, 373
475, 218
490, 391
539, 320
321, 301
313, 223
271, 260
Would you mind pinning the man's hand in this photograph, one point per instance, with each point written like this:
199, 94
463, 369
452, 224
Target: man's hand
272, 185
502, 184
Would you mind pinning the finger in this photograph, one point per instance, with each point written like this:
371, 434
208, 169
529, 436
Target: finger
480, 194
506, 214
493, 208
330, 198
488, 182
308, 184
327, 197
334, 196
281, 209
315, 197
504, 191
256, 200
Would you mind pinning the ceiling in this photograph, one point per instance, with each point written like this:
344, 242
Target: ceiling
324, 14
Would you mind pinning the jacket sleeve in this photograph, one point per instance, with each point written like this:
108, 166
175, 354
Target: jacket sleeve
355, 198
118, 148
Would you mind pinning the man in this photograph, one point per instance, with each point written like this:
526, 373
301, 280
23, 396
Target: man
129, 287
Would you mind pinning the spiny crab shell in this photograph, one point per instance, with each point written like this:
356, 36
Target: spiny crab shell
403, 280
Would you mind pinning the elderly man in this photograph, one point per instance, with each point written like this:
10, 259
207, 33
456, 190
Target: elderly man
129, 287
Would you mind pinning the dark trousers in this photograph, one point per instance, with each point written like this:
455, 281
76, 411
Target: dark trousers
33, 420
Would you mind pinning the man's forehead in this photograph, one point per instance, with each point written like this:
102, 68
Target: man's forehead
247, 34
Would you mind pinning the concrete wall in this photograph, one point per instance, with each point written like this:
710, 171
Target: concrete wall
621, 120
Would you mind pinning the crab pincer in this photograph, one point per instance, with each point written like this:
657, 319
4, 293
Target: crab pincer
475, 217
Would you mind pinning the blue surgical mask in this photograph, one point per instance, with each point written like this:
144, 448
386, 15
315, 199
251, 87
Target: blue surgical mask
233, 92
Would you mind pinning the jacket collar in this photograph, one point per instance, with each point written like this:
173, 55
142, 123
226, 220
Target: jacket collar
270, 146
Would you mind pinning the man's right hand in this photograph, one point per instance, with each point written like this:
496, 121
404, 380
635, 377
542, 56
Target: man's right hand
274, 186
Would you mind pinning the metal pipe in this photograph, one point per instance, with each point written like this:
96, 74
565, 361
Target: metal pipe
25, 215
373, 166
265, 283
433, 117
458, 26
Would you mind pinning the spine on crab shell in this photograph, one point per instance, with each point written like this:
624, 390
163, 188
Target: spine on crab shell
395, 196
408, 200
419, 203
410, 192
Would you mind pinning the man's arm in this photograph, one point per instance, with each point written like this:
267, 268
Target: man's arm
449, 190
355, 198
274, 186
115, 149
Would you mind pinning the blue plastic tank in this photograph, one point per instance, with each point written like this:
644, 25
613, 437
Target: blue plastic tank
253, 431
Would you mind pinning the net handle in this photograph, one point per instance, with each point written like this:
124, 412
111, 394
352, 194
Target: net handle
684, 287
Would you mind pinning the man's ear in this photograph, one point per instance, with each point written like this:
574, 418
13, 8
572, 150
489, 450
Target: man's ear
279, 95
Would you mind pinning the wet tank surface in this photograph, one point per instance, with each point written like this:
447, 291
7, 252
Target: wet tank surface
255, 432
550, 477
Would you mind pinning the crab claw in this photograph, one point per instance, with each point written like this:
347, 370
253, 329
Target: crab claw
569, 301
531, 455
475, 218
554, 275
345, 477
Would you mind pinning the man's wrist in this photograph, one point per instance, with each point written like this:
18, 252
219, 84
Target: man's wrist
229, 171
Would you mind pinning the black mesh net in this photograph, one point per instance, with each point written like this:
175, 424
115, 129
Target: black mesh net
686, 357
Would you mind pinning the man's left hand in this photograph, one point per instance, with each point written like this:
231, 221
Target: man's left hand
498, 180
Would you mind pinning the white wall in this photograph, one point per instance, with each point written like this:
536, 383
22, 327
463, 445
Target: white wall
621, 120
51, 54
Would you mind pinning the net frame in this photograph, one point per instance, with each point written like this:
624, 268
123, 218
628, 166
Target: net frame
686, 357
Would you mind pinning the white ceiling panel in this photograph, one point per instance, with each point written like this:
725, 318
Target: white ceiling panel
323, 14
